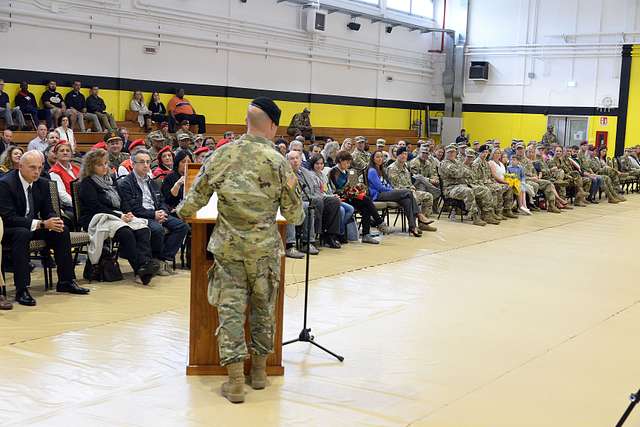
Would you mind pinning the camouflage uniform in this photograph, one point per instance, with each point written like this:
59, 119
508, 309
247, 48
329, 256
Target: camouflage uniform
424, 171
572, 176
454, 179
503, 194
157, 137
549, 138
539, 184
301, 125
593, 166
245, 241
400, 178
360, 160
555, 175
626, 166
116, 159
483, 195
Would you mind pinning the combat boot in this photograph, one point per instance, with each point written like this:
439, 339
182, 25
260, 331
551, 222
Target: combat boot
233, 389
580, 201
499, 216
486, 217
508, 213
427, 227
258, 371
494, 215
478, 221
551, 207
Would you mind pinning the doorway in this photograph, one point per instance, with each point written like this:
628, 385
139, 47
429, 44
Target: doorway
570, 130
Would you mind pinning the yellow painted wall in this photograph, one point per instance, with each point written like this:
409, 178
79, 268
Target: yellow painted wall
632, 136
504, 126
610, 127
233, 110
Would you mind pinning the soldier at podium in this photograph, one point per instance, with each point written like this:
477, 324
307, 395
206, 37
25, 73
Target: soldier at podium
252, 180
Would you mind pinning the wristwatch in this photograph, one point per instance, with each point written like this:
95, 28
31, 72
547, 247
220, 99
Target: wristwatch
41, 225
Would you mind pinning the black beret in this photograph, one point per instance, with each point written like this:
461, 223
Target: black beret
401, 150
269, 107
483, 148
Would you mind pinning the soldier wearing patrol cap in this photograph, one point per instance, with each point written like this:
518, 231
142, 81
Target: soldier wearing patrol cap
502, 193
361, 157
156, 141
184, 142
114, 147
484, 196
252, 181
380, 146
424, 171
455, 186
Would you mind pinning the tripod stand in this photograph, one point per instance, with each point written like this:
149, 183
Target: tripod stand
305, 333
634, 400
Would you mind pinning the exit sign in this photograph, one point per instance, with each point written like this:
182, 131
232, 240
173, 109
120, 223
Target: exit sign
604, 120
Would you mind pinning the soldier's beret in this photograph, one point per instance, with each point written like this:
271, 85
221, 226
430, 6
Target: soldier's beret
136, 143
269, 107
584, 143
401, 150
201, 150
164, 150
99, 145
483, 148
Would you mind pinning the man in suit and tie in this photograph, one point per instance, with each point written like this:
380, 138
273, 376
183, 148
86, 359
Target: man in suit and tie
25, 208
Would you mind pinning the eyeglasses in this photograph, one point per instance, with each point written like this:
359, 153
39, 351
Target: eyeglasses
143, 162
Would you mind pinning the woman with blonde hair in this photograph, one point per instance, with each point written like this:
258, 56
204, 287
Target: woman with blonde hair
347, 145
329, 153
98, 196
10, 159
144, 114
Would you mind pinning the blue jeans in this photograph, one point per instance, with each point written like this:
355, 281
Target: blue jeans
346, 212
165, 246
291, 228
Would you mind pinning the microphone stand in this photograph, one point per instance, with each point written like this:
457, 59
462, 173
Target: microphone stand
634, 400
305, 333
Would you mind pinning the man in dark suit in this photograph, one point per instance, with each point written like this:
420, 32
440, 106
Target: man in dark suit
143, 199
25, 208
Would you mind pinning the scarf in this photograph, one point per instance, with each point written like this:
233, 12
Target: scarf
106, 183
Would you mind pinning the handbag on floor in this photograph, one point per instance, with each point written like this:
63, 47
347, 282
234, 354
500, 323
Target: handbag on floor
107, 269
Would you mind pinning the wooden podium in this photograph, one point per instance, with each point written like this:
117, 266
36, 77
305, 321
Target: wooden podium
203, 320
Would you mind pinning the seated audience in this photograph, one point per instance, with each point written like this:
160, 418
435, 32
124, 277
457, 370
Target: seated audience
28, 104
347, 145
10, 113
114, 147
516, 169
164, 161
96, 105
210, 142
77, 105
381, 190
282, 146
173, 184
144, 114
50, 160
157, 109
301, 125
309, 220
6, 140
324, 188
123, 133
141, 197
10, 159
201, 154
62, 173
181, 109
400, 178
52, 100
346, 186
25, 208
39, 143
100, 204
197, 141
327, 207
66, 132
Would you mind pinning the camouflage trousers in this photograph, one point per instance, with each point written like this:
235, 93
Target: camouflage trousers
613, 174
547, 188
464, 193
232, 285
423, 184
484, 198
581, 184
609, 188
503, 195
425, 201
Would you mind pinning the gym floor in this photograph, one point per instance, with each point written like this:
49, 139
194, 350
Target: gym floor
530, 323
